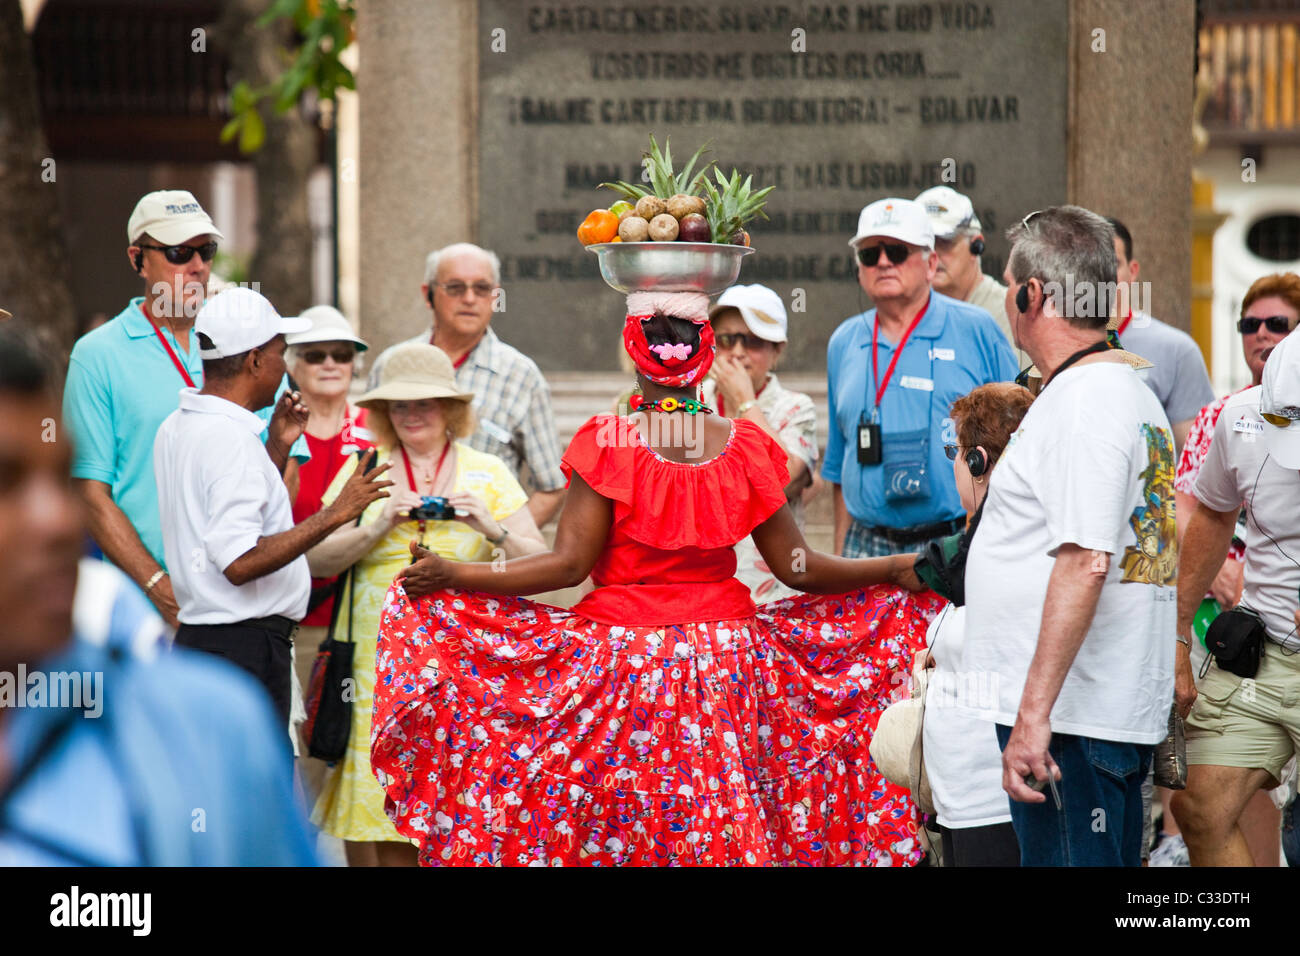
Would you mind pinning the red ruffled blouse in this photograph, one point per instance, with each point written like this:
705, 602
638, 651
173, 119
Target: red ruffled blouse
669, 558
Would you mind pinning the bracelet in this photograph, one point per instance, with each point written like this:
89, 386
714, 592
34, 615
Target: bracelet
496, 542
746, 406
1184, 641
157, 576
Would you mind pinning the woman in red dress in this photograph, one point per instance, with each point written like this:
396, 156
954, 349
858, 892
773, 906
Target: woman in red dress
664, 720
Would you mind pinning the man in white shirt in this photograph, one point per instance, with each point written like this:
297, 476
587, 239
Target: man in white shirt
235, 555
1243, 726
959, 244
1070, 580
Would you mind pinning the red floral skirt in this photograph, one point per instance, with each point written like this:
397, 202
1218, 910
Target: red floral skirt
511, 732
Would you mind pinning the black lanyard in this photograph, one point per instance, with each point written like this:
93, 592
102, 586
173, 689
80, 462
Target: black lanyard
1102, 346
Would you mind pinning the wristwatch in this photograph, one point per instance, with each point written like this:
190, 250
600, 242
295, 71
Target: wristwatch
746, 406
496, 542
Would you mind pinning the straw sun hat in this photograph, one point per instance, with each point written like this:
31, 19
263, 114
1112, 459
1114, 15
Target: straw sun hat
412, 372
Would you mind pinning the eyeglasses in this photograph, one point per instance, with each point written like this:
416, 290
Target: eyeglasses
317, 356
728, 340
896, 252
457, 289
951, 451
1024, 223
179, 255
1277, 324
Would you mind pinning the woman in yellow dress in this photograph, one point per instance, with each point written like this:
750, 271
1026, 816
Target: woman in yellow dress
416, 414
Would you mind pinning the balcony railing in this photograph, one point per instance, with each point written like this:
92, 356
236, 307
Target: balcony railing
1252, 53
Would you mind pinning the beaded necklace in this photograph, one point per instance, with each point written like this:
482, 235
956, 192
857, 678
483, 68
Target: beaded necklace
690, 406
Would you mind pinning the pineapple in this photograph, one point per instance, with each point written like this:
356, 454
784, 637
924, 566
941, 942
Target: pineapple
729, 209
664, 182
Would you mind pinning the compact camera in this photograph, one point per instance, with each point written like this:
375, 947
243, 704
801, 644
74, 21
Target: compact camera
433, 508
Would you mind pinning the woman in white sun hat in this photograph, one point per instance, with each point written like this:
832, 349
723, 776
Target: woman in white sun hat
322, 362
417, 413
749, 326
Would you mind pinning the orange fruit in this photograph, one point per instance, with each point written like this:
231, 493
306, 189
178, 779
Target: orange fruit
601, 225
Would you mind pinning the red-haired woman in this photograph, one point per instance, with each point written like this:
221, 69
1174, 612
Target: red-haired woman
664, 720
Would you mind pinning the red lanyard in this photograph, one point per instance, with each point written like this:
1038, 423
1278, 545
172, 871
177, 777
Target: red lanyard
410, 475
170, 353
902, 343
1124, 325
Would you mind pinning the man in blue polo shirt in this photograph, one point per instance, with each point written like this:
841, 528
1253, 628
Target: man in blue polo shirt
125, 377
892, 375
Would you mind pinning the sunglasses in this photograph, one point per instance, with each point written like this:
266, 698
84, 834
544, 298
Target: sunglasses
1277, 324
317, 356
457, 289
1281, 421
179, 255
896, 252
951, 451
728, 340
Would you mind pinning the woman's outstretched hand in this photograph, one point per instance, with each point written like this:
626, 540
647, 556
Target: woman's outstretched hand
427, 573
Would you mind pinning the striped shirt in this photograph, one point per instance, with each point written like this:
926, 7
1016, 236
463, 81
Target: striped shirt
513, 405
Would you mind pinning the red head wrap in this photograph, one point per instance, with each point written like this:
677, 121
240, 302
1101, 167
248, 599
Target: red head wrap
675, 365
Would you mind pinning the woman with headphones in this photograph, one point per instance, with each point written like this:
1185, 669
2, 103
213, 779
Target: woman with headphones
962, 757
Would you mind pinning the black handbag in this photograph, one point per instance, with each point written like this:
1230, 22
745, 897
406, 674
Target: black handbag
331, 687
329, 698
1236, 641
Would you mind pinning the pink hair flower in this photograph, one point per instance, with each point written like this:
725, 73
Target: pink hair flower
672, 352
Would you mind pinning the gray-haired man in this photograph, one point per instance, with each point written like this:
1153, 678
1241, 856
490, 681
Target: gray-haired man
959, 244
511, 398
1070, 580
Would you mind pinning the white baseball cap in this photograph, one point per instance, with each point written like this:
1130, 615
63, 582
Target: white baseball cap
171, 216
328, 324
760, 307
1279, 402
949, 211
900, 219
240, 319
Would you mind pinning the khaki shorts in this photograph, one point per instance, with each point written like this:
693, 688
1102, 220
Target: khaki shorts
1238, 722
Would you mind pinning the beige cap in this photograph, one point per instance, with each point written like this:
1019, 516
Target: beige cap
412, 372
171, 216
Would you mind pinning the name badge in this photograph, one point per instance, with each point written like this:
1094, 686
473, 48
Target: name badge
494, 430
920, 384
1248, 428
946, 355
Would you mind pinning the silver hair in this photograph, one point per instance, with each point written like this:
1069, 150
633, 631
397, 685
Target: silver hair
1067, 247
458, 248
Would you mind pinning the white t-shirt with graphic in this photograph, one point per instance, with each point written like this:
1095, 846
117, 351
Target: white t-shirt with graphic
1091, 465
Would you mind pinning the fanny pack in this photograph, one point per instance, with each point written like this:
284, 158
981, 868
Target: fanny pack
1235, 639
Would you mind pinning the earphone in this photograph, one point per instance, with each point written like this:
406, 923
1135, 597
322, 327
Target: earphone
977, 246
976, 462
429, 296
139, 260
1022, 298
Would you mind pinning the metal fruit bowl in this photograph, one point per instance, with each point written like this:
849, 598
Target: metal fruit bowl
708, 267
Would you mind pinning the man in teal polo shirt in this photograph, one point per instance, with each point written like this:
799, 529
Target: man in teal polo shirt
892, 375
125, 377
